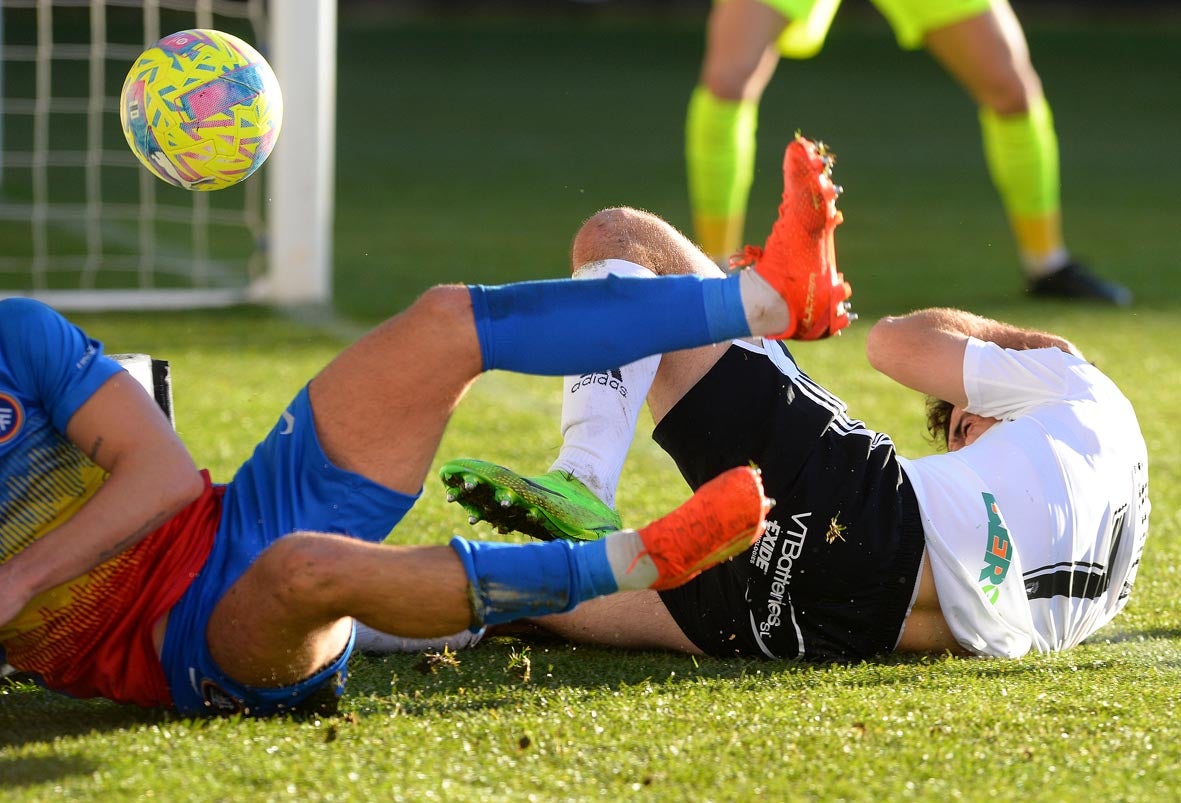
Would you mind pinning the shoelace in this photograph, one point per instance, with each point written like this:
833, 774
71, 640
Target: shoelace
750, 255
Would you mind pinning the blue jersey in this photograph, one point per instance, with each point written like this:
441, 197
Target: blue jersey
91, 635
48, 368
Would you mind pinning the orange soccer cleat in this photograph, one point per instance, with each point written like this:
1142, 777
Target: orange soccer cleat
799, 257
724, 517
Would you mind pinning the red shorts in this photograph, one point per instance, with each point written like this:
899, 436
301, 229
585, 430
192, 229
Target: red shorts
100, 645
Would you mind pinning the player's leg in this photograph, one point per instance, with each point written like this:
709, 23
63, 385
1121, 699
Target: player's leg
575, 498
720, 127
381, 406
290, 613
287, 616
396, 387
627, 242
600, 410
635, 620
987, 54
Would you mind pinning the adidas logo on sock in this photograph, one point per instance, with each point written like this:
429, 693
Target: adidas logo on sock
612, 379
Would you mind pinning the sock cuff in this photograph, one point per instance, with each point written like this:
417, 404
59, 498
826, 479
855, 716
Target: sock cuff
602, 268
1039, 113
724, 311
507, 582
481, 315
463, 549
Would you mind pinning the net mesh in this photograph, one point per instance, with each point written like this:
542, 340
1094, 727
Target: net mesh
82, 223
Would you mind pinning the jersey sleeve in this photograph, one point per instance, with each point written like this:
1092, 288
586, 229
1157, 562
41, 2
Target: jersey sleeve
1004, 383
51, 359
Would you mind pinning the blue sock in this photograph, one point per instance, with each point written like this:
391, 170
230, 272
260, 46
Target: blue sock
564, 326
516, 581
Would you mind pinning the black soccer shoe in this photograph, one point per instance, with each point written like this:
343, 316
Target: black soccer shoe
1075, 281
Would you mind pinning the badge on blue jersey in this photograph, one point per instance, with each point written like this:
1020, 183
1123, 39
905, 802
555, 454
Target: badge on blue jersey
12, 416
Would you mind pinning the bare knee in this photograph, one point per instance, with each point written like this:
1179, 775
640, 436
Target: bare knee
608, 234
303, 571
739, 76
741, 54
443, 323
1010, 89
988, 56
448, 304
640, 237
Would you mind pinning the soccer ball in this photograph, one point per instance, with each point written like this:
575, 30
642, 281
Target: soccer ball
201, 109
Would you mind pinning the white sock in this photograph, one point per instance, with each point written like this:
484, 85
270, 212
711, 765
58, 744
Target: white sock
370, 640
600, 411
1037, 267
766, 311
630, 563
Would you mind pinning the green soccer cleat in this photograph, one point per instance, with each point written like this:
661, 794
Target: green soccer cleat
554, 505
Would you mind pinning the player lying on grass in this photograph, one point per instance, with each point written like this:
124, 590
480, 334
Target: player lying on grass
1025, 535
125, 573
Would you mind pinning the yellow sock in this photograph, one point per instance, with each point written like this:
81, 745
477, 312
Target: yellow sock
1022, 155
720, 154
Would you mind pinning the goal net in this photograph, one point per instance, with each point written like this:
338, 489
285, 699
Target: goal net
84, 226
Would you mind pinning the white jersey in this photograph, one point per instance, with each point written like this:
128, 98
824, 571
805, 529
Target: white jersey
1035, 531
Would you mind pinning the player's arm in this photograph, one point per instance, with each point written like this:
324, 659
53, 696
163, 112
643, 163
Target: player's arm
925, 350
152, 477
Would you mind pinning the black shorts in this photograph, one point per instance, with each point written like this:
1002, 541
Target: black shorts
834, 575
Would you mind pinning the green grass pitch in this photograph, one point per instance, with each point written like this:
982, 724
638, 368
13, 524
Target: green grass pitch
470, 150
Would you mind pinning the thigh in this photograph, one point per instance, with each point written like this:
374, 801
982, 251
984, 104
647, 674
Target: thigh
290, 484
912, 20
287, 485
382, 405
753, 406
740, 52
678, 373
988, 56
200, 684
636, 620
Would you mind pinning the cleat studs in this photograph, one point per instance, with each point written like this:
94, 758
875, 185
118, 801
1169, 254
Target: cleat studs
839, 189
473, 519
452, 496
506, 502
469, 485
533, 515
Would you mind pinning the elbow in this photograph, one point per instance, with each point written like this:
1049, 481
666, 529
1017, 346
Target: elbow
181, 485
191, 487
877, 342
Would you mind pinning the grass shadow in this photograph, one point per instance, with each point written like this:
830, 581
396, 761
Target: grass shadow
33, 770
36, 716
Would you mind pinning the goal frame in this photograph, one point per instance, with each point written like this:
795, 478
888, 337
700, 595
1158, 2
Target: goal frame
298, 178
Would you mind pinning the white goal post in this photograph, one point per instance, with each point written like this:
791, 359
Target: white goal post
83, 226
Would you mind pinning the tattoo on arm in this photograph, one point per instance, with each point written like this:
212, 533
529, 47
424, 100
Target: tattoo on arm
149, 526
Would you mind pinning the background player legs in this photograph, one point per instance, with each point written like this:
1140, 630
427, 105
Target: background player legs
986, 53
988, 56
740, 58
